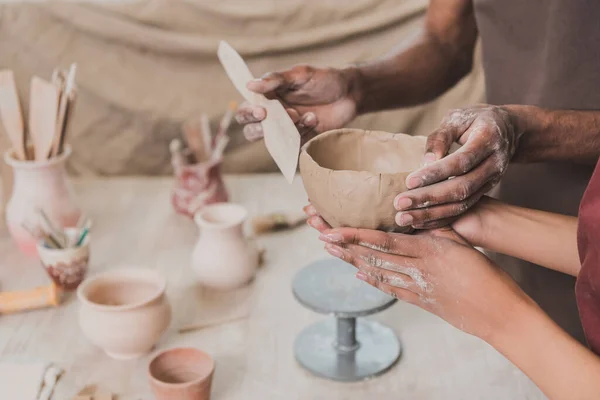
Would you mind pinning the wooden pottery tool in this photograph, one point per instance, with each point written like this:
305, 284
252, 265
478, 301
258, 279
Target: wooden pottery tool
207, 138
65, 110
39, 297
225, 122
276, 222
43, 107
10, 112
195, 141
282, 138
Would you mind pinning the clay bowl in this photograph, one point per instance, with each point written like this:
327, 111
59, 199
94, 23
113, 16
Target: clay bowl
125, 311
351, 176
181, 373
67, 267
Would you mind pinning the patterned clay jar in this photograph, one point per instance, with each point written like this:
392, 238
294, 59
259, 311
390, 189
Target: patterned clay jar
196, 186
223, 258
39, 185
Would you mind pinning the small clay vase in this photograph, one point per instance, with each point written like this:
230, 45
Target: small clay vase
39, 185
197, 185
223, 258
182, 374
125, 311
67, 267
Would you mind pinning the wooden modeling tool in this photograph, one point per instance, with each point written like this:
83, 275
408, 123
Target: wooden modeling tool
10, 112
282, 138
206, 134
220, 147
194, 140
276, 222
65, 109
39, 297
43, 106
225, 122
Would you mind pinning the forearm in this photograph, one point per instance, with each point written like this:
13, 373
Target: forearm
559, 365
426, 65
555, 135
539, 237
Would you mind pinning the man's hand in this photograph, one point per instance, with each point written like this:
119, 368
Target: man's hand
435, 270
489, 139
317, 99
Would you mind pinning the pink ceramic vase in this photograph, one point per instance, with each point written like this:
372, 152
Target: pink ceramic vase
39, 185
223, 258
125, 311
197, 185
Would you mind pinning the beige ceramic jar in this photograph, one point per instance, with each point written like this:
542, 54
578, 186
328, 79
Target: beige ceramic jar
125, 311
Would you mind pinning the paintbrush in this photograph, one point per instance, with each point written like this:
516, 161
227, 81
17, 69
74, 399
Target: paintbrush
276, 222
48, 239
225, 122
194, 140
57, 233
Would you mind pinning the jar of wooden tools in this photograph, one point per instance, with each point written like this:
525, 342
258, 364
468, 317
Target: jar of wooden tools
197, 168
39, 153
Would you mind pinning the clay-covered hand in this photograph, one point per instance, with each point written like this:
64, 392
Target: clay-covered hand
317, 99
489, 139
314, 219
435, 270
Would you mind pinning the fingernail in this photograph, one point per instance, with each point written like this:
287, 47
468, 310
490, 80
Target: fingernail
332, 237
311, 222
257, 114
334, 250
403, 203
310, 117
414, 182
404, 219
429, 158
361, 275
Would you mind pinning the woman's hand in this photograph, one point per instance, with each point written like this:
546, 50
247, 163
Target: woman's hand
435, 270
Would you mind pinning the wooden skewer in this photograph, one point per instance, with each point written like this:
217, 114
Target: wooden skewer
196, 327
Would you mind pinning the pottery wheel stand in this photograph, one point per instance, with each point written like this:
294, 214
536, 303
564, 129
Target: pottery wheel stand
343, 348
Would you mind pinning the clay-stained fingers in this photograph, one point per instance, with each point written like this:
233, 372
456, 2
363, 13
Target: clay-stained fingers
457, 190
248, 113
310, 210
318, 223
392, 243
470, 155
283, 81
396, 292
253, 132
441, 215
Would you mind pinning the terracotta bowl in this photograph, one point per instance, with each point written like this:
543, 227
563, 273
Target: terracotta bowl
182, 373
124, 311
352, 176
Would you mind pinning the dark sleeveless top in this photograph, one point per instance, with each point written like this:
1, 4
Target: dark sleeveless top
544, 53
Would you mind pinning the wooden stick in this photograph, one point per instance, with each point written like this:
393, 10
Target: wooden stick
43, 111
194, 140
10, 112
225, 122
196, 327
65, 111
206, 135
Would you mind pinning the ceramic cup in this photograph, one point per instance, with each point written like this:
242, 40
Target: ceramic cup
182, 373
125, 311
67, 267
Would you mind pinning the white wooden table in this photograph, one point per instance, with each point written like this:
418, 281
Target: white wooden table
134, 224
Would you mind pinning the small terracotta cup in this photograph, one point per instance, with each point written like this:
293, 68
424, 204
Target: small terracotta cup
182, 373
67, 267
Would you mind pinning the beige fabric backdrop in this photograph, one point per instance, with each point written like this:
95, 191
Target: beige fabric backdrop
144, 67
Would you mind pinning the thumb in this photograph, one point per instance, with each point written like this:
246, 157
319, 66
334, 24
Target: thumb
282, 81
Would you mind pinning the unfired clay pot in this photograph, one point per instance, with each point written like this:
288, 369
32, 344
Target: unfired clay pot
39, 184
67, 267
124, 312
351, 176
223, 258
182, 374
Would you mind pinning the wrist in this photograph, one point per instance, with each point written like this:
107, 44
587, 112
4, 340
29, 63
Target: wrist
518, 316
355, 88
523, 120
